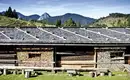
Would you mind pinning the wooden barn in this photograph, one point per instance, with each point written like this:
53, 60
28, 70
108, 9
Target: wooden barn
65, 47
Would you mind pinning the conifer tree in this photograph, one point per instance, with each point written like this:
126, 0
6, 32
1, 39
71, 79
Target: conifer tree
15, 15
58, 23
10, 13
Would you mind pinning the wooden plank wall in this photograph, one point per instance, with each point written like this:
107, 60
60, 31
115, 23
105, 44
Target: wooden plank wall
7, 56
76, 58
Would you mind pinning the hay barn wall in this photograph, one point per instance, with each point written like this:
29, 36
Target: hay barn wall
35, 58
111, 58
66, 56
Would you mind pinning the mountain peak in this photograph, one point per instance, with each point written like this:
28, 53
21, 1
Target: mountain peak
46, 13
44, 16
70, 14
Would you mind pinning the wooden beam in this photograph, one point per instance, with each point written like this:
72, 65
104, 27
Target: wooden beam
49, 68
109, 47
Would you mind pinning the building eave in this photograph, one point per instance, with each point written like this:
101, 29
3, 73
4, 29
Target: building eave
68, 44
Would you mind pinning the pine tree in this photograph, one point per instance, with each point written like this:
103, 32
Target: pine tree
10, 13
58, 23
70, 23
15, 15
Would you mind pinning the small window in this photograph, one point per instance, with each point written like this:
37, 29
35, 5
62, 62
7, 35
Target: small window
116, 54
34, 55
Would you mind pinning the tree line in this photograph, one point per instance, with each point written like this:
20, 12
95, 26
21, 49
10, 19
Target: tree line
68, 23
10, 13
119, 15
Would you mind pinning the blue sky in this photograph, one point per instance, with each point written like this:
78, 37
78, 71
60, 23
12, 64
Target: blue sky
88, 8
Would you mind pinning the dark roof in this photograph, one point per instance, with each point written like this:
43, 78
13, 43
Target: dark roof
64, 35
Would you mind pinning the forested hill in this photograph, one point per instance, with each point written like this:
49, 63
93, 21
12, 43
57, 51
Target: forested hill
113, 20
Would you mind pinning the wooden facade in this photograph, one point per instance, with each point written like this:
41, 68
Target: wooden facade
65, 47
8, 56
65, 57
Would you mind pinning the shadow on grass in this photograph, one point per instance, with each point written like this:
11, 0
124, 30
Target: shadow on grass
35, 74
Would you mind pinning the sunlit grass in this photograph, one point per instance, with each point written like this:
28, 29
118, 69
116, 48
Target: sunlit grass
6, 21
64, 76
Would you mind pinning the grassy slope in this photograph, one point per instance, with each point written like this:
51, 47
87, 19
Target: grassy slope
110, 22
61, 76
6, 21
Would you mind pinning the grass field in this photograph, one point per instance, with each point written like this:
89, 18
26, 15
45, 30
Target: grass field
61, 76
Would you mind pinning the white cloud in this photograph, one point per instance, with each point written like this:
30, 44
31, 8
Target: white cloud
85, 9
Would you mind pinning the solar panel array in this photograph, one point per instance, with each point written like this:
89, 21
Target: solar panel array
65, 35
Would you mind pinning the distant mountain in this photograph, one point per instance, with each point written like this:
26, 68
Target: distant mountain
112, 20
2, 12
44, 16
31, 17
52, 19
76, 17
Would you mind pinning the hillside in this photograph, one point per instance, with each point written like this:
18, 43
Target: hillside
6, 21
113, 20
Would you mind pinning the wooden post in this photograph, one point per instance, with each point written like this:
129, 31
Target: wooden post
27, 74
14, 72
95, 58
22, 71
91, 74
102, 73
54, 59
0, 72
4, 72
53, 71
110, 74
95, 74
